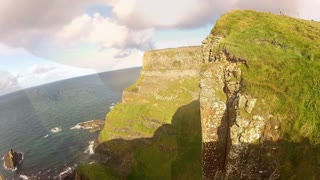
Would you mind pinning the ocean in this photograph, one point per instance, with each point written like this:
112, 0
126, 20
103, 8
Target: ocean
28, 116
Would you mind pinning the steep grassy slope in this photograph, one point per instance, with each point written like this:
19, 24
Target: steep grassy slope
155, 131
279, 59
283, 60
259, 103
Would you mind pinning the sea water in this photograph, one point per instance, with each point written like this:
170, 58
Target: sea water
38, 122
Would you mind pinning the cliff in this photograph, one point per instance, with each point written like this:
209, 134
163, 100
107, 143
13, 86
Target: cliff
156, 127
259, 97
242, 106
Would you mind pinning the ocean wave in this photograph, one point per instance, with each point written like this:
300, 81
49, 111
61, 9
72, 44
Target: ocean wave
56, 130
76, 127
46, 136
89, 125
9, 169
112, 106
65, 172
24, 177
90, 149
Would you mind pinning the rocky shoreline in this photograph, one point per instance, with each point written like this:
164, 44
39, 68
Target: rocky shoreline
92, 126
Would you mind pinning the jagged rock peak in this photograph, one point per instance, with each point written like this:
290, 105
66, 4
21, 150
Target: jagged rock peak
12, 159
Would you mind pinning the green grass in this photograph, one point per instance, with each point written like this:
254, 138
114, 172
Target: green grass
134, 87
174, 150
137, 114
284, 60
97, 171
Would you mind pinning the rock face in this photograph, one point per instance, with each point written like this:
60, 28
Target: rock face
241, 108
229, 121
92, 126
163, 77
157, 118
12, 159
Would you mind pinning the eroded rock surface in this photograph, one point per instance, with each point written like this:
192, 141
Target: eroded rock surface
12, 159
231, 123
92, 126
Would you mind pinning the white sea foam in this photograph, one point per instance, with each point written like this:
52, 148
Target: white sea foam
112, 106
65, 172
90, 149
24, 177
80, 125
46, 136
76, 127
56, 130
9, 169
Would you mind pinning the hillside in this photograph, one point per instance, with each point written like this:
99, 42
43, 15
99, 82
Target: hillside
243, 106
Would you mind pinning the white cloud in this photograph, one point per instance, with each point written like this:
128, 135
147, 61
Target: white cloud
100, 60
41, 74
45, 29
8, 83
38, 74
128, 61
106, 33
164, 13
7, 51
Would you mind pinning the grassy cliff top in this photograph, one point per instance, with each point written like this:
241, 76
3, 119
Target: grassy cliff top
283, 60
173, 58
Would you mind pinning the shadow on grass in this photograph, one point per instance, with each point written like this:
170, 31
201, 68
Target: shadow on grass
274, 160
174, 151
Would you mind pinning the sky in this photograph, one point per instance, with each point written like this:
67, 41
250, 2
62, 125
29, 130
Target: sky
42, 41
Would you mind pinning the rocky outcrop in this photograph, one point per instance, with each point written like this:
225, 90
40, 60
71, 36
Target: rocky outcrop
12, 160
173, 59
1, 177
162, 81
158, 117
240, 125
92, 126
229, 121
161, 69
209, 48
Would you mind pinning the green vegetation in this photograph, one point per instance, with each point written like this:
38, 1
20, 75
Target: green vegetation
155, 132
138, 113
283, 62
96, 171
134, 87
283, 59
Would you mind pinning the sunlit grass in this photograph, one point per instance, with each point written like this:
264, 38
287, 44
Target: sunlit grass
283, 59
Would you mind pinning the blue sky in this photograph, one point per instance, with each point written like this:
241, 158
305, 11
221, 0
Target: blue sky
38, 41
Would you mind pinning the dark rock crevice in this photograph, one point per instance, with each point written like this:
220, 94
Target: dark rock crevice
219, 96
231, 124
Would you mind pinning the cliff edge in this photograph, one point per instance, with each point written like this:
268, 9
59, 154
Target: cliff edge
244, 105
259, 97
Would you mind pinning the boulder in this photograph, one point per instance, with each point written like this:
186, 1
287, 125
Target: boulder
12, 159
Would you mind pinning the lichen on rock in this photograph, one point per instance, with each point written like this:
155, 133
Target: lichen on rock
228, 121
